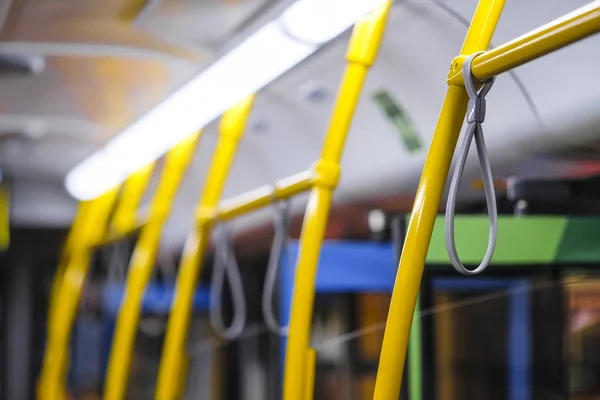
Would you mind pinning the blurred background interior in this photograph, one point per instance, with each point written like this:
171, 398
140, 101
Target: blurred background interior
75, 74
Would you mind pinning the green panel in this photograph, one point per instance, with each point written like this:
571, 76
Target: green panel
415, 356
581, 241
521, 240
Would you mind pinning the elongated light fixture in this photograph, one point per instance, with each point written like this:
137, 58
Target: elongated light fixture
274, 49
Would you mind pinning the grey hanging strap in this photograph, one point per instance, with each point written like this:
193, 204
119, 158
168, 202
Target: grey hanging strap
281, 224
226, 264
475, 117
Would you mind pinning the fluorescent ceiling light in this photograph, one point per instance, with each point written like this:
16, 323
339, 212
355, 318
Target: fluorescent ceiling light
274, 49
318, 21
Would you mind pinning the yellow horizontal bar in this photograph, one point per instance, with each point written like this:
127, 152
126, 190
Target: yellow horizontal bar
557, 34
263, 196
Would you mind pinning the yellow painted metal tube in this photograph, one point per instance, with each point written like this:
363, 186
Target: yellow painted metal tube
313, 231
311, 362
263, 196
52, 378
70, 241
362, 51
125, 218
231, 129
568, 29
114, 236
425, 209
5, 215
142, 266
125, 211
54, 370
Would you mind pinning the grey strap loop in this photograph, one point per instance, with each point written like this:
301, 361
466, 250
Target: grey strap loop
475, 117
225, 263
281, 224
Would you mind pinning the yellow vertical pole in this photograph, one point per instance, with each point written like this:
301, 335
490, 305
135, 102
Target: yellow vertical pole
71, 239
66, 301
311, 362
125, 218
142, 266
362, 52
231, 129
422, 219
4, 216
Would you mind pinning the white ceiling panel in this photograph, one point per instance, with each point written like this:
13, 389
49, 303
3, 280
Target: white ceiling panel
291, 116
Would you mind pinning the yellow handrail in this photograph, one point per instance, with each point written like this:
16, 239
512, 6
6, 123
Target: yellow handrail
537, 43
427, 200
90, 229
263, 196
231, 129
322, 179
553, 36
142, 265
125, 218
71, 240
90, 226
5, 215
362, 52
311, 362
